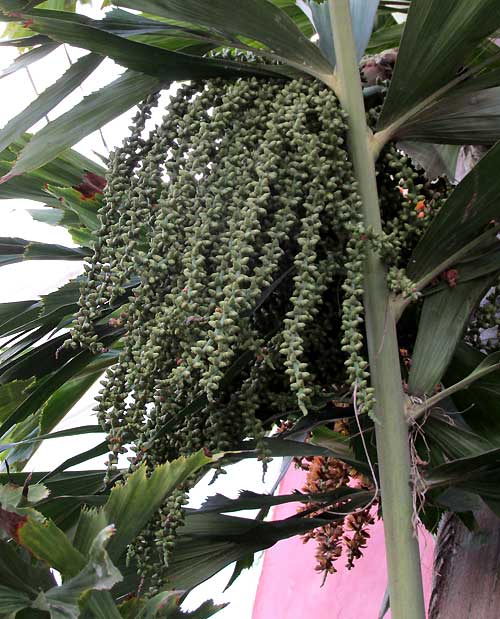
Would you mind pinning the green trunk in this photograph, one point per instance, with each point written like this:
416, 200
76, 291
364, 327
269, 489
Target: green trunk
403, 560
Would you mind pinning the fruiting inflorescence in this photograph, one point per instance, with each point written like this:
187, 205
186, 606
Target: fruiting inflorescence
240, 217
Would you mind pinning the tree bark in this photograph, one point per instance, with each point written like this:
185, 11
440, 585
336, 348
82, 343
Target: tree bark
467, 569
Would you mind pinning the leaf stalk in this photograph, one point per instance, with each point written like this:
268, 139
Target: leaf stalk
403, 560
415, 412
400, 303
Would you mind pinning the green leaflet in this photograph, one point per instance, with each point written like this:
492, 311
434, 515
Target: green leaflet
64, 297
436, 39
98, 574
202, 551
72, 200
67, 169
11, 394
51, 216
467, 469
251, 500
15, 573
435, 159
166, 605
63, 400
162, 63
11, 601
461, 118
61, 434
63, 483
479, 402
24, 60
442, 322
10, 311
16, 250
93, 452
259, 20
386, 37
94, 111
28, 41
18, 455
63, 372
53, 95
132, 505
487, 366
18, 496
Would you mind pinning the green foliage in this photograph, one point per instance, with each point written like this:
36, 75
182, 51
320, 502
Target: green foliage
15, 250
24, 60
257, 20
85, 565
437, 39
443, 321
229, 297
227, 277
49, 99
94, 111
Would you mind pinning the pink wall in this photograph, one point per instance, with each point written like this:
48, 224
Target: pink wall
290, 588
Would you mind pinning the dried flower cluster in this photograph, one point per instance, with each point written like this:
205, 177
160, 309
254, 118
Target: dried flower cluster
346, 537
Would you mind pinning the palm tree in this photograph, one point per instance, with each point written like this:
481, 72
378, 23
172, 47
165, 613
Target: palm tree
429, 457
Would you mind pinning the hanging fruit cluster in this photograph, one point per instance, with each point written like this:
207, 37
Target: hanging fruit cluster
239, 215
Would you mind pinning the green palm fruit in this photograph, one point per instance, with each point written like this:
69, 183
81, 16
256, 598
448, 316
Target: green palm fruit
239, 216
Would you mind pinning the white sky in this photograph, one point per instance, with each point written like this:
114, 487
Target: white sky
29, 279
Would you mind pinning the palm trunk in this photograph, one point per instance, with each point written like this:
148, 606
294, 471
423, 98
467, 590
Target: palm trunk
403, 560
467, 569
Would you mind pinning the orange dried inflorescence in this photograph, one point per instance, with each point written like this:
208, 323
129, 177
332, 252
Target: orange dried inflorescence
347, 537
